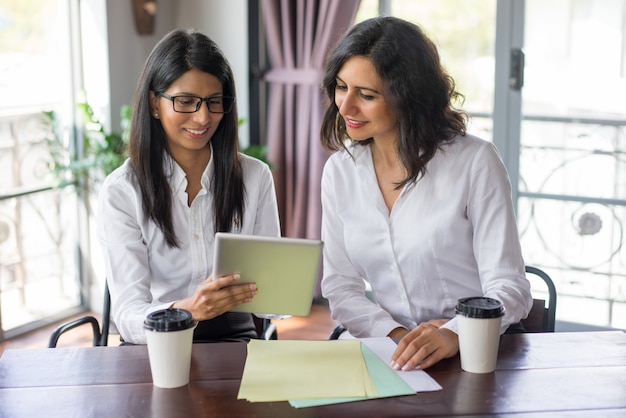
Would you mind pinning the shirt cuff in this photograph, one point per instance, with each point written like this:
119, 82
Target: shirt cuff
452, 325
383, 328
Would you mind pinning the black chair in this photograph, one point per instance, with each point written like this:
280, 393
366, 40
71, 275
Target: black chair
266, 330
100, 335
541, 318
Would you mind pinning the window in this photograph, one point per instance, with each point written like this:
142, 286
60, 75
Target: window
572, 174
566, 151
464, 31
39, 274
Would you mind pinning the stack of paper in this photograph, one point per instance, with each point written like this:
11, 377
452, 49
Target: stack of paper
310, 373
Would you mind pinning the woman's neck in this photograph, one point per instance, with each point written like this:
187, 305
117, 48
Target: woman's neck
194, 164
385, 155
389, 171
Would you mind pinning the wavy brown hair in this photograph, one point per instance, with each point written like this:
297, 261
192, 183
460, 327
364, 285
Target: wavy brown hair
416, 86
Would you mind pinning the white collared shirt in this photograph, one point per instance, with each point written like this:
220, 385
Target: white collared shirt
452, 234
143, 273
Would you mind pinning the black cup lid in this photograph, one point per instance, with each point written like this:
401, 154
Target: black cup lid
479, 307
169, 320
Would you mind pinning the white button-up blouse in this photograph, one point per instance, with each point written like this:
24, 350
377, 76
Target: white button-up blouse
143, 273
451, 234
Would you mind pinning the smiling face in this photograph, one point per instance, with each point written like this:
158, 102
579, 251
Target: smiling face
359, 98
188, 132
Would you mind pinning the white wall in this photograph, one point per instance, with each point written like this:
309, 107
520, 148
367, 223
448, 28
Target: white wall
226, 22
128, 50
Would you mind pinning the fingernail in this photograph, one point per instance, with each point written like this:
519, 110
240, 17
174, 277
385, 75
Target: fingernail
394, 365
236, 276
405, 367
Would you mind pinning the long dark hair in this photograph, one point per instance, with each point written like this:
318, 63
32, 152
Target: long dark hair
178, 52
416, 86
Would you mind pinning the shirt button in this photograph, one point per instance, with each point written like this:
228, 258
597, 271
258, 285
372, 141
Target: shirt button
196, 237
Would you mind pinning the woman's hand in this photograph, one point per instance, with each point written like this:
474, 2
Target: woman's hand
215, 297
425, 345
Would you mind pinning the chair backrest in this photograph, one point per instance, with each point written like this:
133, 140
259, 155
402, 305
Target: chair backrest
541, 318
106, 316
265, 329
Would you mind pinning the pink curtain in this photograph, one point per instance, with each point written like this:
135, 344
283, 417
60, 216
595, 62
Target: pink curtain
299, 34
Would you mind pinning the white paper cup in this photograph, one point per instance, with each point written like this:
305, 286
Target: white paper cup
479, 320
169, 333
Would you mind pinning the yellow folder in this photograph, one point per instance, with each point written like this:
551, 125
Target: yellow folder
280, 370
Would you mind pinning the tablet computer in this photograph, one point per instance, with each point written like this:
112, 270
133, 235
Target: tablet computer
284, 269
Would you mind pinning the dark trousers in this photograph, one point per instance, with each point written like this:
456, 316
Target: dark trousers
516, 328
228, 327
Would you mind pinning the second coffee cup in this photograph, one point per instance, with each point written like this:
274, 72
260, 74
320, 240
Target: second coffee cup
479, 319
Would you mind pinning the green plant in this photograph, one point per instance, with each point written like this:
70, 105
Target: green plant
257, 151
59, 152
102, 152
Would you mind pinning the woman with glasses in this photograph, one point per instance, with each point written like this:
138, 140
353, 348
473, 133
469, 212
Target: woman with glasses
412, 204
184, 181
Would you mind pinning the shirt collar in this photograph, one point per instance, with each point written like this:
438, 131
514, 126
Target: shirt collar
360, 154
176, 175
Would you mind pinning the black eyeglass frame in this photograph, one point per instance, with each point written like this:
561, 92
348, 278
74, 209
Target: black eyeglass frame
229, 100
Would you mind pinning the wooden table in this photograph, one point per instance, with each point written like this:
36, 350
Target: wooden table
557, 374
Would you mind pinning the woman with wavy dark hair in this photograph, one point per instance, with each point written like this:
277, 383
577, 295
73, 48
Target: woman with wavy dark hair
185, 180
412, 203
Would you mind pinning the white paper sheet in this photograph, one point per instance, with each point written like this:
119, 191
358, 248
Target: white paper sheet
418, 379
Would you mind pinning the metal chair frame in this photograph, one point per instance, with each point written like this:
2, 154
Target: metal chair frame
100, 335
542, 318
265, 328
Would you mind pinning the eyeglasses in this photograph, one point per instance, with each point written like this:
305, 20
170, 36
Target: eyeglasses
191, 104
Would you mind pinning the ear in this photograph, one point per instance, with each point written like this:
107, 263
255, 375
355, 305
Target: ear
154, 105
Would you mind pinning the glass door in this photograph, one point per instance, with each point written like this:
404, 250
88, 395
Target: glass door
546, 82
572, 157
39, 275
464, 31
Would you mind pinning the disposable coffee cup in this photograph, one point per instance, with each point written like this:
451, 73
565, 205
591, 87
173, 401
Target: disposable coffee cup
479, 320
169, 334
